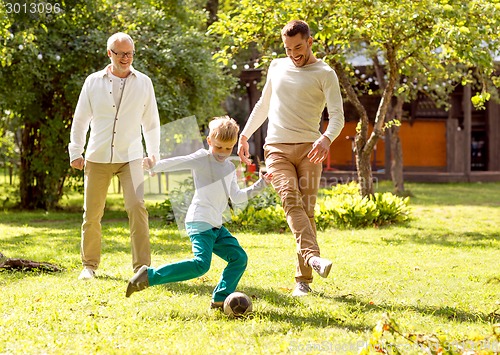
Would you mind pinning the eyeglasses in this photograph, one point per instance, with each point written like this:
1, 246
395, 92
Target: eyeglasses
124, 54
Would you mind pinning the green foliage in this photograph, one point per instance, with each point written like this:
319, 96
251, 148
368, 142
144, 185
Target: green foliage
391, 208
175, 206
46, 57
341, 206
415, 46
388, 338
262, 214
344, 207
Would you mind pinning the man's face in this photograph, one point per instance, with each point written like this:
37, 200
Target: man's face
121, 62
219, 149
298, 49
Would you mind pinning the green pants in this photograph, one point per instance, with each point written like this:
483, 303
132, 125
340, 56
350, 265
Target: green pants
218, 241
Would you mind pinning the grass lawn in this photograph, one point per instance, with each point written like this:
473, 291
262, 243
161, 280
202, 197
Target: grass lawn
440, 274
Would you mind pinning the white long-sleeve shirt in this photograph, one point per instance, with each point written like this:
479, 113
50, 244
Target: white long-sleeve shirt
115, 129
293, 99
214, 183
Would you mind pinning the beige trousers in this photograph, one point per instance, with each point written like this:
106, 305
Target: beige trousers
97, 178
297, 181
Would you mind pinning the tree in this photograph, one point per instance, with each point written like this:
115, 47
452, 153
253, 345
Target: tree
413, 45
46, 55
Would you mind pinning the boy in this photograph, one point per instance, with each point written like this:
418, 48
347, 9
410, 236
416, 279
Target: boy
215, 181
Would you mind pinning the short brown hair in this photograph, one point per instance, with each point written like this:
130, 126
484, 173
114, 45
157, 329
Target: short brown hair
224, 128
295, 27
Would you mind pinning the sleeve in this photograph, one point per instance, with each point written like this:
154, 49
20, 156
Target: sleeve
151, 124
185, 162
261, 109
241, 196
334, 106
81, 123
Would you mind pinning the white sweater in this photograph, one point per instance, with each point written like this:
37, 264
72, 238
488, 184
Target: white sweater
293, 99
214, 182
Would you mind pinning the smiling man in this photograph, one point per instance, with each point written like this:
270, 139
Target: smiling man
295, 94
119, 107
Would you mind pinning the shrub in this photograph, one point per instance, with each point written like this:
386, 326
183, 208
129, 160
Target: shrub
339, 207
177, 203
343, 207
262, 214
391, 208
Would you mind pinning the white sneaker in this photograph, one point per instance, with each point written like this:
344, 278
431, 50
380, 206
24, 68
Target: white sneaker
301, 289
86, 274
320, 265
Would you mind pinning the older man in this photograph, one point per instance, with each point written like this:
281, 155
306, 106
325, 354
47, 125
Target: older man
118, 104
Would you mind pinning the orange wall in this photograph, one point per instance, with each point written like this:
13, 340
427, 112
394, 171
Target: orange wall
424, 145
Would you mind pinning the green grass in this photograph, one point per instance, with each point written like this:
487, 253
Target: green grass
440, 274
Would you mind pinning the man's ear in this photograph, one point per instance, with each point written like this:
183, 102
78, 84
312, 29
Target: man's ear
209, 141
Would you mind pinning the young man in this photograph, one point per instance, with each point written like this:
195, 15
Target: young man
117, 104
215, 181
293, 98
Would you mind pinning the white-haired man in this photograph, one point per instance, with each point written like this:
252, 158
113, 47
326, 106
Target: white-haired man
118, 104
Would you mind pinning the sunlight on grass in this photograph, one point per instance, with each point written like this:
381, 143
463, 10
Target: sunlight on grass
437, 274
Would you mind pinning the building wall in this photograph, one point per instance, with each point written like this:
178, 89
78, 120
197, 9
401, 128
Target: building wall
423, 141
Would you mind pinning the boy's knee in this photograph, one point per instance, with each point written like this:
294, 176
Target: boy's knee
202, 265
240, 257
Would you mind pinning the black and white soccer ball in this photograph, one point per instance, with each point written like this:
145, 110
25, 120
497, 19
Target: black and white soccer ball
237, 304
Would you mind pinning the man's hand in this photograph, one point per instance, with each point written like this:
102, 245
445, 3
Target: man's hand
148, 164
319, 150
244, 150
78, 163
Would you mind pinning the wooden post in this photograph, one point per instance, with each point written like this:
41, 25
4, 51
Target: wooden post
467, 107
493, 125
251, 77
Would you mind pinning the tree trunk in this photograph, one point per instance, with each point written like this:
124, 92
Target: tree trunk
212, 8
365, 177
26, 265
397, 151
363, 154
30, 184
43, 163
396, 161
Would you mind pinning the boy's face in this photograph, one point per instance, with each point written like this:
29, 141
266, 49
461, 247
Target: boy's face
219, 149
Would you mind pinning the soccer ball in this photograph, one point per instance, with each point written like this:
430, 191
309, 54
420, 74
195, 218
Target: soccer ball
237, 304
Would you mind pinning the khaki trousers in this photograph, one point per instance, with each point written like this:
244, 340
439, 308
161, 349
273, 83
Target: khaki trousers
297, 181
97, 178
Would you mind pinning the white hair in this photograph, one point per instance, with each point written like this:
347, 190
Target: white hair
119, 36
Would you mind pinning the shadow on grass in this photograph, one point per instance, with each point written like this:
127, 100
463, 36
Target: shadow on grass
465, 239
444, 312
288, 309
446, 194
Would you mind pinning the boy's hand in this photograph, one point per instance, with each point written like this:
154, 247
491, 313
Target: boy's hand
148, 164
267, 177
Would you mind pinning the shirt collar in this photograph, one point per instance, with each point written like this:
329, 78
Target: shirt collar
104, 72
